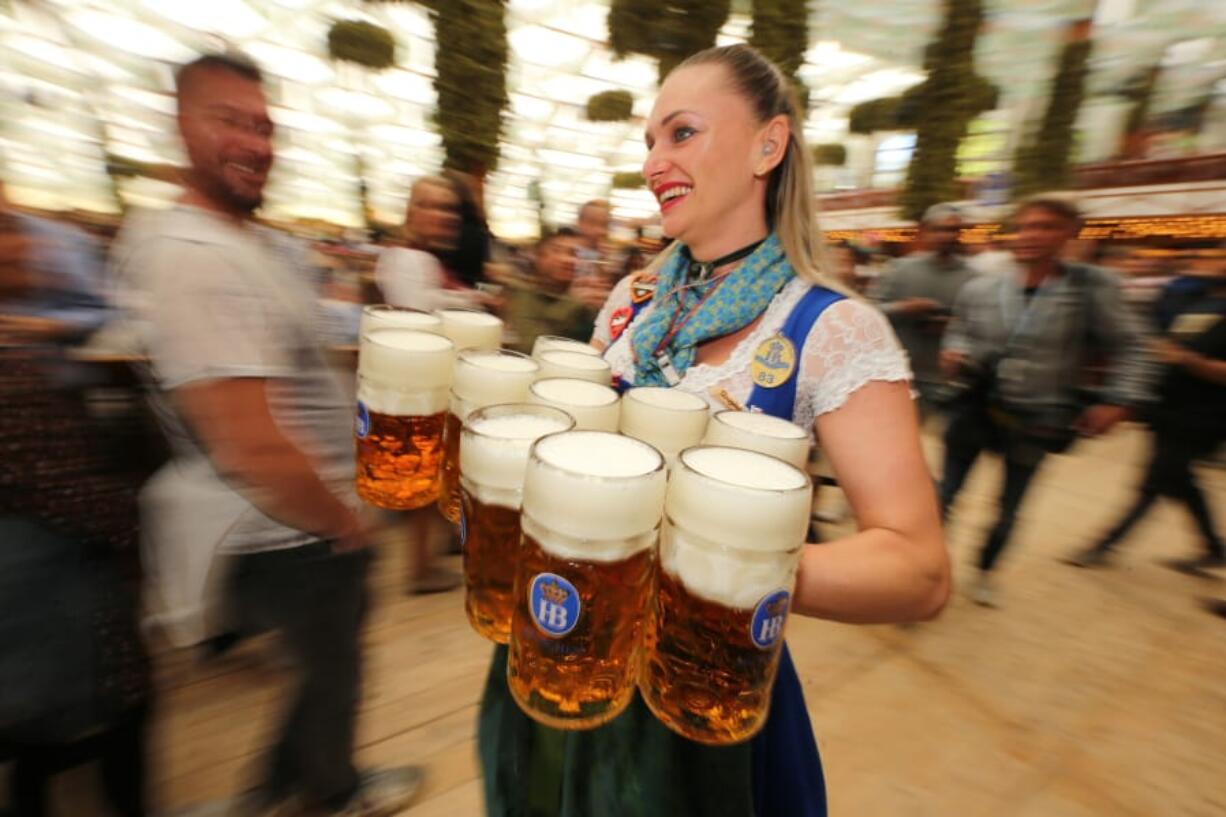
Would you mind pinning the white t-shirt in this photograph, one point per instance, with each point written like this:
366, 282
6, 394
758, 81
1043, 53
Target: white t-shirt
212, 300
415, 279
850, 345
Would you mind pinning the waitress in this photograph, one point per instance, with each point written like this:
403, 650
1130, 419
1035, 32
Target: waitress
743, 286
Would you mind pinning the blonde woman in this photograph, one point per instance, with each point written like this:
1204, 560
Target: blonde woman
727, 163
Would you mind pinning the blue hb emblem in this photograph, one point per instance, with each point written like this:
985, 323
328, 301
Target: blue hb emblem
554, 604
361, 425
767, 624
463, 526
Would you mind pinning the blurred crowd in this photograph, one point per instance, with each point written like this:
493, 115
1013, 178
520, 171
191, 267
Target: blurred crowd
206, 342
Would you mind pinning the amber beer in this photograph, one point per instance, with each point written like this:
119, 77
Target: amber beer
735, 523
403, 378
755, 431
592, 503
482, 378
493, 457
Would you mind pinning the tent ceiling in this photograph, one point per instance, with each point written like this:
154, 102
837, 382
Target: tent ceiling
75, 75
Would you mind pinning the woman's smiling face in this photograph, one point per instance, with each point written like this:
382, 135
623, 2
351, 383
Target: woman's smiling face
705, 150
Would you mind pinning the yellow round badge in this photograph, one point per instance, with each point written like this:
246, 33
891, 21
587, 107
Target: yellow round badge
773, 362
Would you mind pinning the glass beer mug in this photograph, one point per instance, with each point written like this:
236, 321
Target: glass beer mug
735, 524
494, 449
483, 377
592, 503
403, 378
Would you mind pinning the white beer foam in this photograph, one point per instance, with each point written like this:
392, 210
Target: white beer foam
382, 316
494, 452
669, 419
755, 431
397, 402
468, 328
459, 407
736, 579
594, 495
594, 407
740, 499
553, 343
407, 359
488, 377
576, 365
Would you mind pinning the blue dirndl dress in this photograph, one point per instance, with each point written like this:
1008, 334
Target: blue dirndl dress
634, 766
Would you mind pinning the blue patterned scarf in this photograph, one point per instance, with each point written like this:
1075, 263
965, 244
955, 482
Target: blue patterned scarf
695, 314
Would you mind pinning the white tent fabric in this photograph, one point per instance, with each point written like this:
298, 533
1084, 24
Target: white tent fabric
82, 78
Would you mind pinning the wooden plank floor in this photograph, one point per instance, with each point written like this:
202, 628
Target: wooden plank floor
1087, 693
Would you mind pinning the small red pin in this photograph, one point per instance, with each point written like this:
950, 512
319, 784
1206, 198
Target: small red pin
619, 320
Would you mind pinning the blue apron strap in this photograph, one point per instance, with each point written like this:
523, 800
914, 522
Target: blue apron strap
780, 401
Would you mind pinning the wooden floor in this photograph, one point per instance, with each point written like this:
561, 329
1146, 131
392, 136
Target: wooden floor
1087, 693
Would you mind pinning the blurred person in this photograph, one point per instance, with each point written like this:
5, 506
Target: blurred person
263, 457
995, 258
73, 669
415, 275
1020, 344
64, 301
727, 162
1189, 419
340, 310
593, 229
635, 258
552, 301
851, 266
917, 293
473, 247
1143, 275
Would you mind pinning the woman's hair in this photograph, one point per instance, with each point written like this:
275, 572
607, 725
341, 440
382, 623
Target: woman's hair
791, 209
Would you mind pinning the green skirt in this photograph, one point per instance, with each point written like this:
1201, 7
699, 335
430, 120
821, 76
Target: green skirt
632, 766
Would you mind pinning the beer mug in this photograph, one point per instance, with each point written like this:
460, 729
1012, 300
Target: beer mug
764, 433
592, 503
734, 526
553, 343
385, 316
594, 407
669, 419
468, 328
403, 378
493, 457
483, 377
575, 365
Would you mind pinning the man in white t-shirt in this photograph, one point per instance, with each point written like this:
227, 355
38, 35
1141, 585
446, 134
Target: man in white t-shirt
262, 468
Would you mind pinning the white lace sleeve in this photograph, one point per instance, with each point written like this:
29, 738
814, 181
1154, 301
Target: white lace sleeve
850, 345
618, 298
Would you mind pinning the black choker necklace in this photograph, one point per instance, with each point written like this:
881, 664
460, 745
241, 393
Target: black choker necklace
701, 270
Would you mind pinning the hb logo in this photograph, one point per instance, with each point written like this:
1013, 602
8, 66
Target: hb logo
768, 617
554, 604
361, 423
